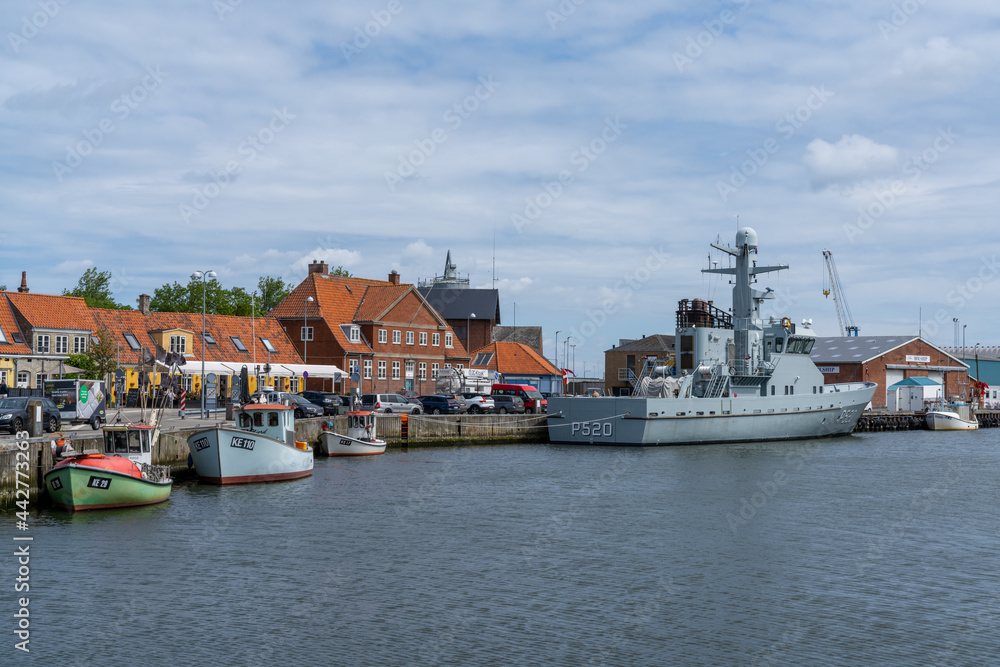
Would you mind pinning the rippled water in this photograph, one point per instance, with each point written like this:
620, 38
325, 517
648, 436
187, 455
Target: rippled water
872, 549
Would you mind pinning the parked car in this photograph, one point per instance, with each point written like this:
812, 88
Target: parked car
304, 407
533, 401
436, 405
331, 403
14, 414
389, 403
506, 403
478, 403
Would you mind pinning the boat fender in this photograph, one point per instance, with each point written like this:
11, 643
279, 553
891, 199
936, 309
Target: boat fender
325, 426
786, 322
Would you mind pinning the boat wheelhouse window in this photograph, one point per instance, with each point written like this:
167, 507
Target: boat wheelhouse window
133, 443
244, 420
258, 419
778, 343
121, 442
145, 444
272, 418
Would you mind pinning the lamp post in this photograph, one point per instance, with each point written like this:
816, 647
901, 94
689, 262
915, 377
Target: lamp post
557, 351
305, 335
573, 364
468, 331
202, 276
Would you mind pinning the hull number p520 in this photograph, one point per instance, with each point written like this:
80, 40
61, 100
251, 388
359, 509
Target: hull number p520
592, 429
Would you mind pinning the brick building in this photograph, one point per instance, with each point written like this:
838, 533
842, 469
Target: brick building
625, 360
887, 360
386, 330
518, 363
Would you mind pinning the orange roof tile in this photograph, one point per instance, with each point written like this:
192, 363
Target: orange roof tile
8, 324
48, 311
517, 359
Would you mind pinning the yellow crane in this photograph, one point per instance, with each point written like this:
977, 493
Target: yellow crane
831, 285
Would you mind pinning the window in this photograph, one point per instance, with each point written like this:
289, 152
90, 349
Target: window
355, 334
381, 370
484, 359
448, 339
62, 344
42, 344
272, 418
187, 381
409, 338
447, 365
267, 345
208, 339
422, 368
459, 366
306, 333
352, 365
383, 336
22, 378
434, 370
93, 339
435, 339
239, 344
368, 369
132, 342
40, 380
3, 339
293, 385
79, 344
178, 344
396, 337
409, 368
3, 378
423, 338
395, 370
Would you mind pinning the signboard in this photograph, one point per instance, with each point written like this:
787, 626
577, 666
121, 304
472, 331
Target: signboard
918, 358
211, 391
132, 399
829, 369
477, 373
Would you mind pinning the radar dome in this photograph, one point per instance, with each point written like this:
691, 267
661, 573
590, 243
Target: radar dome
746, 237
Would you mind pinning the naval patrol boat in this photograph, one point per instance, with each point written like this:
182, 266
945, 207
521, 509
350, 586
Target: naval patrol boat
740, 379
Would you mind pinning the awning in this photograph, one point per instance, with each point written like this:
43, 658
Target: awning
277, 370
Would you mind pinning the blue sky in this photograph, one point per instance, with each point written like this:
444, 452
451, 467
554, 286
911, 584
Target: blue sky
605, 145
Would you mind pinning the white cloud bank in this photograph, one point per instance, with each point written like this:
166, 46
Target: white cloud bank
853, 158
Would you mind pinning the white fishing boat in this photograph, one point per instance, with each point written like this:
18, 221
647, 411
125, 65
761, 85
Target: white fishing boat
952, 417
361, 439
260, 447
740, 379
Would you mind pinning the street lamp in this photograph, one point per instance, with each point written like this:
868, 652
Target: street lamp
468, 331
557, 351
202, 276
305, 335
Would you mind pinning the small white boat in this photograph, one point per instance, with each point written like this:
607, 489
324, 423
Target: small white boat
360, 440
952, 418
261, 447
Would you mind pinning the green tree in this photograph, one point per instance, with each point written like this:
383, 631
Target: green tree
271, 291
240, 302
177, 298
102, 356
341, 271
82, 361
95, 288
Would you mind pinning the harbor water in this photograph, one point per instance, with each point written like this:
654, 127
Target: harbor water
878, 548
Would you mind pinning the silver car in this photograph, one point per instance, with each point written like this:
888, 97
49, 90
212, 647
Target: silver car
478, 403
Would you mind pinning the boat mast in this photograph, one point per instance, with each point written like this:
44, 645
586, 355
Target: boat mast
746, 299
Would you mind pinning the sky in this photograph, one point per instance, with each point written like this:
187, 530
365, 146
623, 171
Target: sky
579, 155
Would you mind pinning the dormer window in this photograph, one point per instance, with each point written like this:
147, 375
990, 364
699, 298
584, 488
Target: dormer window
178, 344
483, 359
132, 342
355, 334
238, 343
3, 338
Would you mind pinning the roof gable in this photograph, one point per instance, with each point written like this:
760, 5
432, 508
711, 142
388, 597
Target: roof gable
48, 311
516, 359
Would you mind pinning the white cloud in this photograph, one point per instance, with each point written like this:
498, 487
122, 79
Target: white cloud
851, 159
417, 252
935, 67
72, 267
334, 257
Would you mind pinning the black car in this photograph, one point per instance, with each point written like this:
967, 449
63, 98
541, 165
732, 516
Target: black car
330, 403
14, 414
505, 404
305, 408
436, 405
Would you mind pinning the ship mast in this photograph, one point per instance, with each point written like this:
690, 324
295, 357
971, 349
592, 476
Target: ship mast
746, 299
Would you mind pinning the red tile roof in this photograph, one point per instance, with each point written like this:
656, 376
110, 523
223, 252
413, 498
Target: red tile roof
9, 327
220, 327
517, 359
49, 311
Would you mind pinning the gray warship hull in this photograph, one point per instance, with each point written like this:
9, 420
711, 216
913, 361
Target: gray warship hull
630, 420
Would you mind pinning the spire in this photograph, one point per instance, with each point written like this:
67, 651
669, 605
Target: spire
24, 282
450, 272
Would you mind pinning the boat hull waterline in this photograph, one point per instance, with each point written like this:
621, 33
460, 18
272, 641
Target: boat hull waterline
335, 444
77, 487
949, 421
245, 457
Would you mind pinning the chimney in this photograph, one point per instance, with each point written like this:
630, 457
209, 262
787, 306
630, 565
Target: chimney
394, 277
319, 267
24, 282
144, 304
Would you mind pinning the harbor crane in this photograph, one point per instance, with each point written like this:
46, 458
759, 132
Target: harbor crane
831, 285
